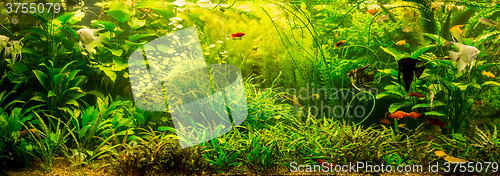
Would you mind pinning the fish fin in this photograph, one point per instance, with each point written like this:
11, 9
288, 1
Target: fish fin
461, 65
98, 41
419, 71
95, 31
408, 81
459, 46
471, 65
453, 56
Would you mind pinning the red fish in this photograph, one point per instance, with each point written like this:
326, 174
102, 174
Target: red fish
385, 121
321, 161
415, 115
398, 115
415, 94
436, 121
372, 11
239, 34
340, 43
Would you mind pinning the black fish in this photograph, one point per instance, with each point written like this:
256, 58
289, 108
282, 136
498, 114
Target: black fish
408, 66
359, 76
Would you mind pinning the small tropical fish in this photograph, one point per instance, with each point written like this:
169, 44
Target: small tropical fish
408, 66
415, 115
372, 11
488, 22
359, 76
429, 138
415, 94
204, 3
407, 29
456, 32
237, 35
401, 42
340, 43
466, 55
87, 38
180, 3
382, 18
436, 121
315, 96
397, 115
321, 161
385, 121
488, 74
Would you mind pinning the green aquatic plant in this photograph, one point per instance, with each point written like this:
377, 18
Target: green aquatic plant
61, 90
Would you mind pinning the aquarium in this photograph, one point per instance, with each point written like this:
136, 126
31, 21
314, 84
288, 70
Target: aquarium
249, 87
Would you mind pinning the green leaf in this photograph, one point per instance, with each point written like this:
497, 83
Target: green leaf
166, 13
65, 17
484, 66
421, 105
116, 52
108, 71
393, 52
77, 17
106, 24
118, 64
434, 113
484, 37
421, 50
459, 137
119, 15
490, 83
135, 23
440, 40
136, 37
42, 78
51, 94
395, 106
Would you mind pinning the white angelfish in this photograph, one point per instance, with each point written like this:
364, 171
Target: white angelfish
466, 55
88, 39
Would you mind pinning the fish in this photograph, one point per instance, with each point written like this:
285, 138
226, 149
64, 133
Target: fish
360, 77
179, 3
340, 43
88, 39
372, 11
488, 22
204, 3
382, 18
415, 115
436, 121
321, 161
407, 29
415, 94
488, 74
408, 67
401, 42
397, 115
315, 96
456, 32
466, 55
385, 121
238, 34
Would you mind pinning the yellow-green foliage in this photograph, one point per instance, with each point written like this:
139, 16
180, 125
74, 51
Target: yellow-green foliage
265, 48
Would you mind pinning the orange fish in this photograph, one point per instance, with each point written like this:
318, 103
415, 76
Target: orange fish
239, 34
321, 161
488, 74
398, 115
385, 121
340, 43
456, 32
436, 121
401, 42
415, 115
415, 94
372, 11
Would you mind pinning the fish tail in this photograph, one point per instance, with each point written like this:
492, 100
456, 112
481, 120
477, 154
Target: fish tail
98, 40
453, 56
